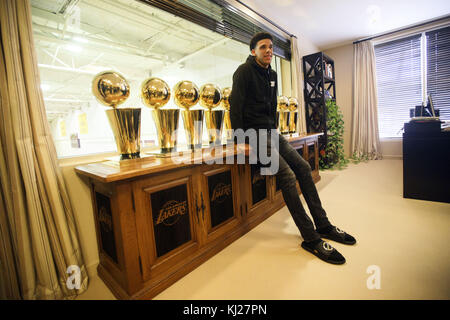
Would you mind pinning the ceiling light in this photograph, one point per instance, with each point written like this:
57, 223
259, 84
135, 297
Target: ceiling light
81, 39
73, 48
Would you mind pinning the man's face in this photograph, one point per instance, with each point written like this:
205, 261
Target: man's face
263, 52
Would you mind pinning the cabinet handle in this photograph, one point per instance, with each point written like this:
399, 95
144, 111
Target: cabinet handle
196, 209
203, 207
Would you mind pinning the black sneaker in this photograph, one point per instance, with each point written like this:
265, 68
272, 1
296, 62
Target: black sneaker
337, 235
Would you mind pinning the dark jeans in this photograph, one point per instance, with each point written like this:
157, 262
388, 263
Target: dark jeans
293, 167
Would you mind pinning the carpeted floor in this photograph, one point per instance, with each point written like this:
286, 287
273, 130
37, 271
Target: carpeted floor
406, 241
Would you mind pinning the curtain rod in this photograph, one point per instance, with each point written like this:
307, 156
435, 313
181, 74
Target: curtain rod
403, 29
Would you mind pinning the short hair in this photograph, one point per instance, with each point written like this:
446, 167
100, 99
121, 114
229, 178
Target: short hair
259, 36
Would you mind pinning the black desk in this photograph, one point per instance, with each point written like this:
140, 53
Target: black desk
426, 166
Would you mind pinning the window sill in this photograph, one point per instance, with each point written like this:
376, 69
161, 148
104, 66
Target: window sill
391, 139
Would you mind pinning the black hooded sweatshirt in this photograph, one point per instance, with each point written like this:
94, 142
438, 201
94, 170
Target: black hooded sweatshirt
253, 99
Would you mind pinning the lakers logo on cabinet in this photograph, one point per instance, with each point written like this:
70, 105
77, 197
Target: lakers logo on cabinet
171, 212
221, 192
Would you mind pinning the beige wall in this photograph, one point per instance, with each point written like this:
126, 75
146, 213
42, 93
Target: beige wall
305, 46
80, 198
343, 65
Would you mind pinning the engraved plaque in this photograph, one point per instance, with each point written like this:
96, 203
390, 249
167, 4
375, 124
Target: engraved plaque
171, 223
259, 190
105, 223
220, 197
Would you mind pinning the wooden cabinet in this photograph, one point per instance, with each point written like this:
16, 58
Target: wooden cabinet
157, 220
219, 200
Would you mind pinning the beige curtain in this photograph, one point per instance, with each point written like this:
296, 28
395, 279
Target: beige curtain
297, 84
38, 232
365, 138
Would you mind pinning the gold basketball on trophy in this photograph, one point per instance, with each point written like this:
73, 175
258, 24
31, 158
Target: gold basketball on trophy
226, 92
283, 103
210, 96
186, 94
155, 93
110, 88
293, 104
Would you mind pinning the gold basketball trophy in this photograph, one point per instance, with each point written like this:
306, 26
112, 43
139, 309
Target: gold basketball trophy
111, 89
226, 92
293, 115
186, 96
155, 94
283, 114
210, 97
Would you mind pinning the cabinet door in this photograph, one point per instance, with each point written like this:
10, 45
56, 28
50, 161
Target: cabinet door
106, 222
166, 220
258, 191
312, 156
218, 200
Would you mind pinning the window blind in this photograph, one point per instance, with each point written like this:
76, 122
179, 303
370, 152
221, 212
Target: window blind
219, 16
438, 70
399, 85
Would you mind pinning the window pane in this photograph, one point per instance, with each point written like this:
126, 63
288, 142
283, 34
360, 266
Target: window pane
438, 70
398, 68
74, 43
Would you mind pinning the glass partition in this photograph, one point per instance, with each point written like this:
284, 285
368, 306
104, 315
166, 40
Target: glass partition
75, 42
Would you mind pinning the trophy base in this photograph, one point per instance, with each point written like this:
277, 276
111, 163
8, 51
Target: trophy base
128, 156
164, 152
119, 161
214, 144
195, 146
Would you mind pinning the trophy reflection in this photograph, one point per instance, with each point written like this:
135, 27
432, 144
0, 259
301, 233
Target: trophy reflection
226, 92
155, 94
293, 115
111, 89
210, 97
186, 95
283, 114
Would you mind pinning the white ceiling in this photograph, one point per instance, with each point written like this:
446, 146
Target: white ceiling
331, 23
